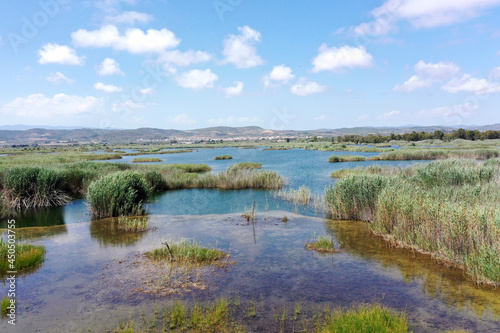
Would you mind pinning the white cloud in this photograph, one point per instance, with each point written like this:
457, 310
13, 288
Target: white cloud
147, 91
428, 74
107, 88
235, 90
304, 87
40, 106
280, 75
133, 41
59, 77
181, 118
240, 49
389, 114
335, 58
321, 118
421, 14
130, 17
470, 84
234, 121
178, 58
461, 110
129, 105
109, 66
495, 74
59, 54
197, 79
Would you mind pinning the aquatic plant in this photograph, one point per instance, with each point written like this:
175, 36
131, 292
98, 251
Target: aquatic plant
323, 243
223, 157
190, 252
155, 181
346, 158
146, 160
4, 305
26, 256
240, 179
302, 195
363, 319
371, 169
118, 194
133, 223
244, 166
438, 153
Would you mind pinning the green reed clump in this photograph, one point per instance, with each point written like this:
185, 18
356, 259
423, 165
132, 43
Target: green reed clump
346, 158
4, 305
190, 252
26, 256
244, 166
240, 179
155, 181
223, 157
118, 194
302, 195
448, 208
4, 207
323, 243
363, 319
372, 170
31, 187
132, 223
439, 153
355, 197
146, 160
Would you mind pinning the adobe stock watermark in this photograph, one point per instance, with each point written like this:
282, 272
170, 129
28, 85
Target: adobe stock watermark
281, 119
223, 6
128, 102
30, 26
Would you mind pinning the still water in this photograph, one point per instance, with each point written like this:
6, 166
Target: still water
95, 276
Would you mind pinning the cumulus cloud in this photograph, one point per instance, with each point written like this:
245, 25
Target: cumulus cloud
470, 84
178, 58
421, 14
40, 106
305, 87
428, 74
130, 17
107, 88
109, 66
181, 118
389, 114
59, 77
234, 121
336, 58
133, 41
235, 90
240, 49
279, 75
197, 79
59, 54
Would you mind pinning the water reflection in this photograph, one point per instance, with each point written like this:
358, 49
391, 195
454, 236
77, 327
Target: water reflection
108, 232
438, 280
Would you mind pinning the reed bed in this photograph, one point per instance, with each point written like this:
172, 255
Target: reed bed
146, 160
132, 223
4, 306
26, 256
302, 195
244, 166
435, 154
448, 209
118, 194
159, 152
188, 252
240, 179
223, 157
345, 158
372, 170
323, 243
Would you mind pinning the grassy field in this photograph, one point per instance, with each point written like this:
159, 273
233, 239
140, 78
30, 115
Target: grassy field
435, 154
244, 166
447, 208
146, 160
345, 158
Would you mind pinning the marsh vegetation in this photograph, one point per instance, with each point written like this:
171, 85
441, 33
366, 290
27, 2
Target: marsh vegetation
146, 160
26, 256
187, 252
223, 157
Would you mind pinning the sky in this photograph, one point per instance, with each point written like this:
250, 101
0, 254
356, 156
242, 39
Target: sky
301, 65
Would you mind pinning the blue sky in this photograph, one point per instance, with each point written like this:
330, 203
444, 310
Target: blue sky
275, 64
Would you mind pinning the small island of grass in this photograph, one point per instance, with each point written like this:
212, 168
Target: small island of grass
223, 157
346, 158
146, 159
188, 252
244, 166
27, 256
322, 244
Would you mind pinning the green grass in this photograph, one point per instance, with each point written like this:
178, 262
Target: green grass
146, 159
363, 319
322, 243
240, 179
244, 166
447, 208
4, 305
189, 252
436, 153
302, 195
132, 223
26, 256
276, 148
159, 152
372, 170
223, 157
118, 194
345, 158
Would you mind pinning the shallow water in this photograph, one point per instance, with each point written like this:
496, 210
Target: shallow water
92, 269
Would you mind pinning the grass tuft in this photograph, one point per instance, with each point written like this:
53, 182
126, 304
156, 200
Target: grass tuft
323, 243
26, 256
244, 166
188, 252
223, 157
346, 158
146, 159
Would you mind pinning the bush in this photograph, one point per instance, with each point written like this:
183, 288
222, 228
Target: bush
118, 194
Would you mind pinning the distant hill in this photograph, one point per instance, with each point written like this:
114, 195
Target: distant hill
17, 135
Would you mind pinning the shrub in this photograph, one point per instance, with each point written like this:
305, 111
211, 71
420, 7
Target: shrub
118, 194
